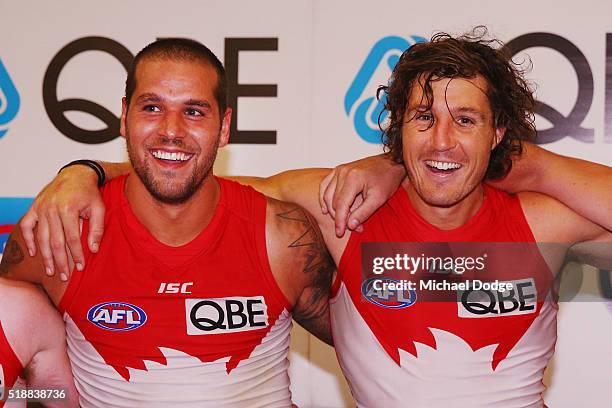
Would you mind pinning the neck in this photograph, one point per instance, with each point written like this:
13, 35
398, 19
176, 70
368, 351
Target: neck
173, 224
446, 217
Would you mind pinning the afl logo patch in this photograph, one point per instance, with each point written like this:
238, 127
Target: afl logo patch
117, 316
388, 293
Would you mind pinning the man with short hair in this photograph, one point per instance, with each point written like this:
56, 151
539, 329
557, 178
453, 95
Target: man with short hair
189, 302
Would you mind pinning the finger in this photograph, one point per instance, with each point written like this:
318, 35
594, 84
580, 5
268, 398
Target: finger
358, 201
328, 196
70, 222
57, 241
343, 201
363, 212
27, 225
323, 187
96, 226
42, 236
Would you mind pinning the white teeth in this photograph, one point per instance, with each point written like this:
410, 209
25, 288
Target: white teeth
174, 156
442, 165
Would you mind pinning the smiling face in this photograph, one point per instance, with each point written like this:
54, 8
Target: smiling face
446, 149
173, 126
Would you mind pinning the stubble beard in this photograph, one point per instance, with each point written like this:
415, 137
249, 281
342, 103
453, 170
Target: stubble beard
162, 189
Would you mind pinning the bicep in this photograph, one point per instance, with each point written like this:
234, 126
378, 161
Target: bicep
49, 367
302, 265
50, 370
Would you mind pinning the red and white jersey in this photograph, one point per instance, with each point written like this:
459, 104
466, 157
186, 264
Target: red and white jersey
201, 325
10, 369
443, 354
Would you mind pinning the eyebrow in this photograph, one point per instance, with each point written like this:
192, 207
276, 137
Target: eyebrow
454, 111
148, 97
198, 102
465, 109
153, 97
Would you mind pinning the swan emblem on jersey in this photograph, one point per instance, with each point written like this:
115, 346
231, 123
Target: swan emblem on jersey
117, 316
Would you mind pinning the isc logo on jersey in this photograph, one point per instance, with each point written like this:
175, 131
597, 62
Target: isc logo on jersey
520, 300
225, 315
376, 291
117, 316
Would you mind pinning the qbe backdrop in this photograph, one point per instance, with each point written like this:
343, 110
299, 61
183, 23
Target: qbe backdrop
316, 66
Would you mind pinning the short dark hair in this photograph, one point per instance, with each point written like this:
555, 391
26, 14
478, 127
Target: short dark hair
467, 56
180, 49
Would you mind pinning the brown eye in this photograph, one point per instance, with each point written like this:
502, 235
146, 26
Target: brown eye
151, 108
193, 112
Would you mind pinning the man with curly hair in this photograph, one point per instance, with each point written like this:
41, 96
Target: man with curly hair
459, 112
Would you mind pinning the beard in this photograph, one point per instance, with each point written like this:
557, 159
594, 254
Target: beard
169, 188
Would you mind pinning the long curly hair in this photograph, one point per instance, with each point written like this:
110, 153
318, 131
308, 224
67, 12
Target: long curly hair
467, 56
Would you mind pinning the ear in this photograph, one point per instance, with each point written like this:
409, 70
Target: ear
226, 122
122, 126
499, 135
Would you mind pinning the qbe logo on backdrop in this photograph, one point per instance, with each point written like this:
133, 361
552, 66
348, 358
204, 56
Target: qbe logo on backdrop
9, 99
56, 108
360, 101
361, 104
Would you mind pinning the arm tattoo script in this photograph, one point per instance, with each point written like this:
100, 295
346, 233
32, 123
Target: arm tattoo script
312, 308
13, 255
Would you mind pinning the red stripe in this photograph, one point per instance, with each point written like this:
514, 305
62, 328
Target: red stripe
5, 229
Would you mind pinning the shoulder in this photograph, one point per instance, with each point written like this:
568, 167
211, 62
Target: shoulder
17, 264
240, 200
22, 299
552, 221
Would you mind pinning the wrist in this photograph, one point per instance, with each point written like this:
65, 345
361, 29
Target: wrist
94, 167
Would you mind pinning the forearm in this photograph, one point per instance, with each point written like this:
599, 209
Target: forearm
583, 186
296, 186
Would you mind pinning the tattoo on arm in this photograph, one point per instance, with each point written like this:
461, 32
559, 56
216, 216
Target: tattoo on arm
13, 255
312, 307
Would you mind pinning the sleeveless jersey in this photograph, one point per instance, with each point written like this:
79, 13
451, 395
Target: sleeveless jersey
200, 325
10, 367
445, 353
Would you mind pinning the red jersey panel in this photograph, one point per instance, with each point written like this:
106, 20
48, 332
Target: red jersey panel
446, 353
204, 324
10, 367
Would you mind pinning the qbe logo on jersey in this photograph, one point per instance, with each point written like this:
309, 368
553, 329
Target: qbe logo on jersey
225, 315
520, 300
360, 101
117, 316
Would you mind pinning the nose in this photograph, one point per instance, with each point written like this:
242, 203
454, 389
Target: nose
171, 126
441, 136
